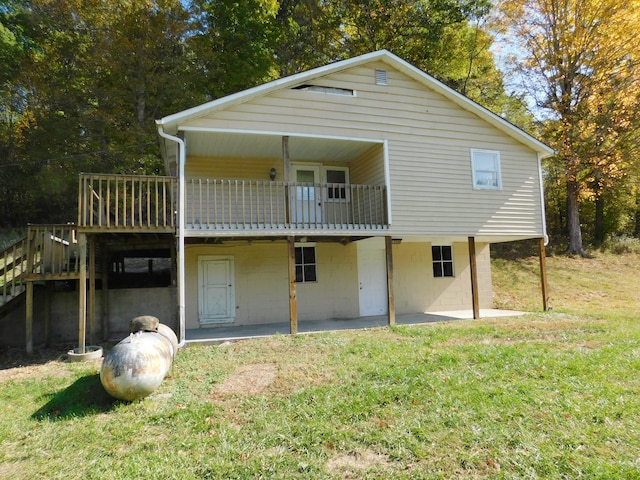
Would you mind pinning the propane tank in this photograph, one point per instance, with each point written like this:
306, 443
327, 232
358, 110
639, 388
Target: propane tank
136, 366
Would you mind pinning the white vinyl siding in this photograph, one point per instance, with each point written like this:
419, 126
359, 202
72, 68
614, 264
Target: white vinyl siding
429, 139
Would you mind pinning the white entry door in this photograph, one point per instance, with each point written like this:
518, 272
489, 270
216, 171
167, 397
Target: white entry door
306, 199
216, 298
372, 277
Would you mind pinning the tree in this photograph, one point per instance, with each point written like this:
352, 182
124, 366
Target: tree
234, 44
573, 55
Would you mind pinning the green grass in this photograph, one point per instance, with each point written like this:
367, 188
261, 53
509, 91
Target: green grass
548, 395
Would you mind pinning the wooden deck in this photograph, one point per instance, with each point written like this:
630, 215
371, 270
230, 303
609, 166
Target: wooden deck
127, 203
130, 203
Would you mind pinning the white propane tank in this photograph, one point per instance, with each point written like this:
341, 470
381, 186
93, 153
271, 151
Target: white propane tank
136, 365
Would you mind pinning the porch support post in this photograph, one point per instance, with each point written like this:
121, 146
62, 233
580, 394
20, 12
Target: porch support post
82, 292
285, 174
29, 318
92, 290
293, 299
474, 278
105, 294
543, 274
31, 240
391, 303
47, 312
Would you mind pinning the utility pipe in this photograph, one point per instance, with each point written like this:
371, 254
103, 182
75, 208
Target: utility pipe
181, 158
543, 210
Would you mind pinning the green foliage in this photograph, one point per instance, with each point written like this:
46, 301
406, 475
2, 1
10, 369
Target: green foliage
84, 80
621, 244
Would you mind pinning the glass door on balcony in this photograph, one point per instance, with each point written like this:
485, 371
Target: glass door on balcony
306, 200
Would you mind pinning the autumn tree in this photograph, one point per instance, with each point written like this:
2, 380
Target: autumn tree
578, 60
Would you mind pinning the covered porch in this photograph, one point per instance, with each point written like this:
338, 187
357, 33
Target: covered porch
220, 334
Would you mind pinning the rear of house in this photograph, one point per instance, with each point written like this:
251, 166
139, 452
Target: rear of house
338, 160
363, 188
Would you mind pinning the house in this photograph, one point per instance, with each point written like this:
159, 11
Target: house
361, 188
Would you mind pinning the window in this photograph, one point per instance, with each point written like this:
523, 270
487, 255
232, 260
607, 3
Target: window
485, 165
306, 264
442, 261
337, 178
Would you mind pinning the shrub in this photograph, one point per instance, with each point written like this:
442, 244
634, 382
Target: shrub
619, 244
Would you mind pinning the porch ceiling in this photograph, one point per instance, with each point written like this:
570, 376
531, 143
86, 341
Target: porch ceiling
269, 146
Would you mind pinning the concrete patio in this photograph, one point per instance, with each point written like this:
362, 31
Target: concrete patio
224, 333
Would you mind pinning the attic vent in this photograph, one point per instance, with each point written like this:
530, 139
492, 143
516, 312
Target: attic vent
328, 90
381, 77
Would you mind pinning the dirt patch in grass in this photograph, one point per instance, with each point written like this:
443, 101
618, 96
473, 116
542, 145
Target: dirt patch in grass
247, 380
50, 369
353, 464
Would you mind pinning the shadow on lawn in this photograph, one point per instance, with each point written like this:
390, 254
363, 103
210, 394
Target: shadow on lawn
85, 396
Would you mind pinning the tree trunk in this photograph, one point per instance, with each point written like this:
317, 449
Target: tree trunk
573, 219
598, 228
637, 229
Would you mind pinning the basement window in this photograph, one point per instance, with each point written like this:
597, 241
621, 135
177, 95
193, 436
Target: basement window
306, 266
328, 90
442, 256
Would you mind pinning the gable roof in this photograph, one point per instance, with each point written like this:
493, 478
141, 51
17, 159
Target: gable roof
170, 124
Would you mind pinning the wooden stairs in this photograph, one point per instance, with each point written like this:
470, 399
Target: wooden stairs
48, 252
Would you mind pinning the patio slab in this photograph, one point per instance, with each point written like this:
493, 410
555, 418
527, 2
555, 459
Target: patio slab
224, 333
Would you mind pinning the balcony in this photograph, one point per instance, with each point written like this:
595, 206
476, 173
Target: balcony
248, 205
138, 204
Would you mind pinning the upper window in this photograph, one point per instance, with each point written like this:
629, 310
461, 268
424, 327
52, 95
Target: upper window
485, 165
337, 179
442, 260
306, 264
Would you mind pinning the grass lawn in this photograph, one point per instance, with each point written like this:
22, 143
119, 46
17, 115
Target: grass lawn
547, 395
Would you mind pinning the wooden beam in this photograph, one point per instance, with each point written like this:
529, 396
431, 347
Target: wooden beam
29, 300
543, 274
475, 301
92, 290
105, 294
29, 319
293, 299
286, 163
82, 293
391, 302
47, 312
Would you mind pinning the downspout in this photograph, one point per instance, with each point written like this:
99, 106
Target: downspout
542, 209
181, 159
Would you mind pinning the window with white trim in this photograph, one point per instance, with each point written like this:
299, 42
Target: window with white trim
485, 165
306, 266
337, 179
442, 256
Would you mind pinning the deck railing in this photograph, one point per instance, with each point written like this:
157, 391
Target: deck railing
127, 203
122, 203
214, 204
53, 250
47, 252
13, 263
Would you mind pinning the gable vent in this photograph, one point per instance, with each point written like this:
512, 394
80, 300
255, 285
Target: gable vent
329, 90
381, 77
